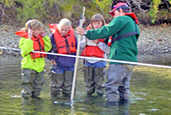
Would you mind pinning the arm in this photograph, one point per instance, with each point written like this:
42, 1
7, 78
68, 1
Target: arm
26, 46
47, 43
83, 42
53, 48
112, 28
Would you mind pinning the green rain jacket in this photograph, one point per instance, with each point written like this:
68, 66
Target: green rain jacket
26, 46
124, 48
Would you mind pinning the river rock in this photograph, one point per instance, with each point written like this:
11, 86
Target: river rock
154, 43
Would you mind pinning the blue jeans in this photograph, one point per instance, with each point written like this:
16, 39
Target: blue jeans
118, 82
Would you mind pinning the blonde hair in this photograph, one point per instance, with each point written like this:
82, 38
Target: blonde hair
64, 22
33, 24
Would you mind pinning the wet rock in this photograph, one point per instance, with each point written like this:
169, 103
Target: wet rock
8, 39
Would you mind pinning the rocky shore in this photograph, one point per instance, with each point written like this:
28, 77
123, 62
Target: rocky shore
154, 43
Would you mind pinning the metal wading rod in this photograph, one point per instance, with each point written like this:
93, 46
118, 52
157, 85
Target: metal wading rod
76, 61
102, 59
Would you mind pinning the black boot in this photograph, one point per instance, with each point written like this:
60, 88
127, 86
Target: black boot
122, 99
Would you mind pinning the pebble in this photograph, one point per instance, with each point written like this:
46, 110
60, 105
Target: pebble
154, 40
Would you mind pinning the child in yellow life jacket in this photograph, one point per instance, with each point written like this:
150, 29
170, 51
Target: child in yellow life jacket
33, 38
94, 69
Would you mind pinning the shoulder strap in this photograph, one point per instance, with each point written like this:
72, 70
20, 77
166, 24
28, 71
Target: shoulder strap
126, 35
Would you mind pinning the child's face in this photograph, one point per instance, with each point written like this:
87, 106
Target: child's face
97, 24
64, 30
37, 32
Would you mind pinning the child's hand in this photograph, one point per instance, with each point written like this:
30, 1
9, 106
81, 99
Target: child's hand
95, 41
29, 33
53, 62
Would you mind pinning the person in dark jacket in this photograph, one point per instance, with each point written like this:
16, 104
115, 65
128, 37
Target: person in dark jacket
125, 32
63, 42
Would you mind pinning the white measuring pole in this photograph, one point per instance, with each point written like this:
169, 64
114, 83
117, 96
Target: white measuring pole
77, 54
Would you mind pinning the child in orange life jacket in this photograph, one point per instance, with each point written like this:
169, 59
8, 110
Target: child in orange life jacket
94, 69
64, 42
33, 38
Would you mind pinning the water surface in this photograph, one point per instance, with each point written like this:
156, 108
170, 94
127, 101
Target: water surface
150, 94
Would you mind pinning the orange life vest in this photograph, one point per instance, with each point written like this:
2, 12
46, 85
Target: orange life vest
93, 51
38, 44
67, 44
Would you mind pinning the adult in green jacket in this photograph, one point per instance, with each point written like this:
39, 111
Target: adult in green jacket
32, 64
124, 31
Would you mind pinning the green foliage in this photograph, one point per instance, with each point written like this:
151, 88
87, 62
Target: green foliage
51, 2
91, 10
103, 5
53, 10
67, 7
41, 9
8, 3
154, 10
31, 9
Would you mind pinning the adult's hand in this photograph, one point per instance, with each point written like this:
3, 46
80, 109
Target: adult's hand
80, 31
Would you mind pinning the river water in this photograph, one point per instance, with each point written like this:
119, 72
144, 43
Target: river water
150, 94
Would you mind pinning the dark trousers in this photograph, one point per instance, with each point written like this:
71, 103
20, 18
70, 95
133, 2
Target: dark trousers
61, 84
32, 83
94, 79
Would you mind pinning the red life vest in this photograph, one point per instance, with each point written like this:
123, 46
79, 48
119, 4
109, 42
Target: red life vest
67, 44
38, 44
93, 51
133, 16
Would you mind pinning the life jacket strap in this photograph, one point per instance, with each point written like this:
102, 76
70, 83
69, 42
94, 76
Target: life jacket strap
124, 36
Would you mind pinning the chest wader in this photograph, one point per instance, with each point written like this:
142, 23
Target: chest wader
119, 75
61, 84
32, 83
94, 79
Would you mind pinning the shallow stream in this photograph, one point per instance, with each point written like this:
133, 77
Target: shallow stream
150, 94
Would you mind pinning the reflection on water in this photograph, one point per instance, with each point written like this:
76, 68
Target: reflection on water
150, 95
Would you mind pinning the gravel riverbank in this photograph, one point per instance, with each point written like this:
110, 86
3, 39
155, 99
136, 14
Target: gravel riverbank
154, 43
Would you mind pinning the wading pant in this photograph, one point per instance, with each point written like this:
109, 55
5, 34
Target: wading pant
94, 79
32, 83
118, 81
61, 84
